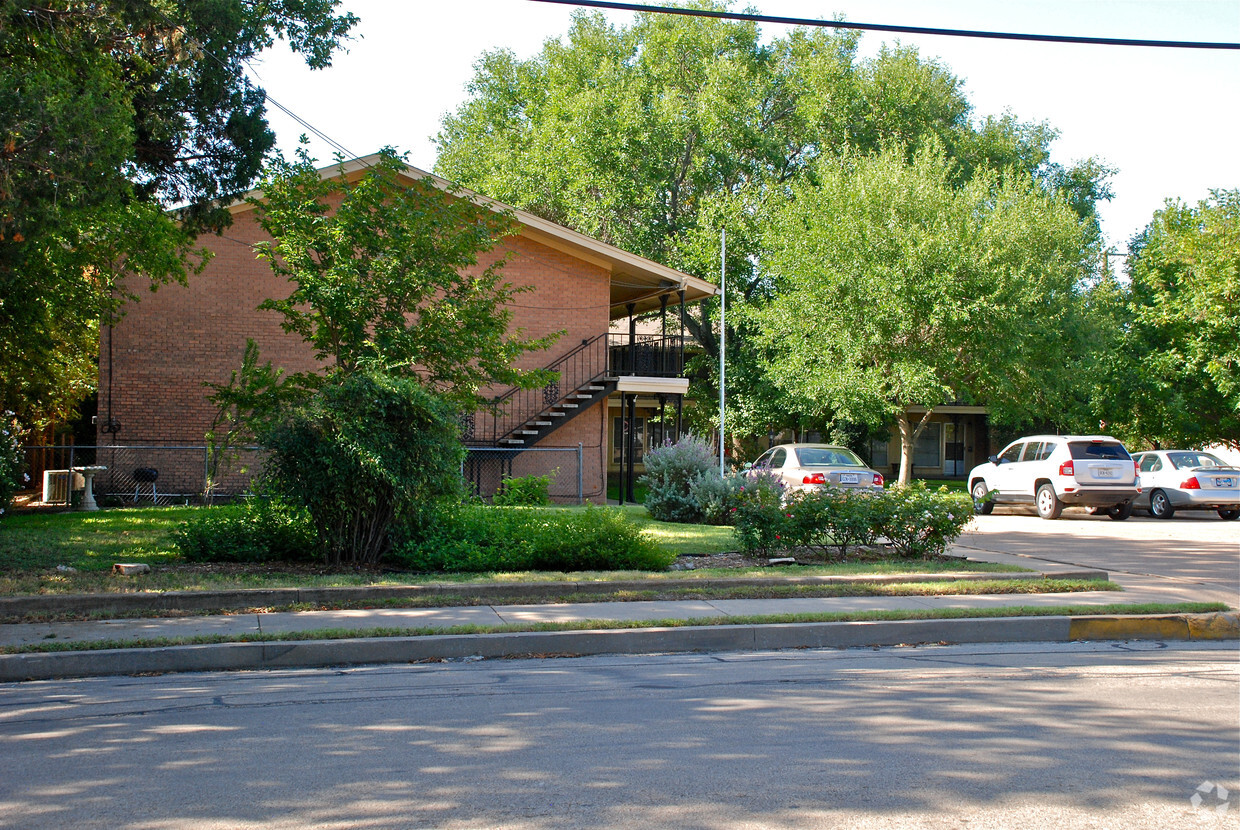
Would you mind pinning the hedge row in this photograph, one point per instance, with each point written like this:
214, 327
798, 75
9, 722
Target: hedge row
917, 521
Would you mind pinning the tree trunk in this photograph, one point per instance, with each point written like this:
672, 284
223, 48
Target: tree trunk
908, 439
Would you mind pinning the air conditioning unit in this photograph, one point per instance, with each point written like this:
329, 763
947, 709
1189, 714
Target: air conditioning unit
57, 485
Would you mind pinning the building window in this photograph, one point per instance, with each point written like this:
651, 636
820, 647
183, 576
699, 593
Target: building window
618, 440
878, 455
927, 452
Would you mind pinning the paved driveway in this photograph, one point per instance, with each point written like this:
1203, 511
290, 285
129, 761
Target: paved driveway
1190, 557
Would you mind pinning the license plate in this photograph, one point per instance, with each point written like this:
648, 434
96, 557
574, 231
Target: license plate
1225, 482
1104, 472
849, 478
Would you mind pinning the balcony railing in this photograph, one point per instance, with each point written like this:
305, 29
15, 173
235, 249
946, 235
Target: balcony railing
646, 355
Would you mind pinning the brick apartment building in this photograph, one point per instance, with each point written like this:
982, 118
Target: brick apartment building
155, 360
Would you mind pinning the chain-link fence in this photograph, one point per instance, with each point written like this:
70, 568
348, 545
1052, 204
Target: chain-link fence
135, 474
485, 469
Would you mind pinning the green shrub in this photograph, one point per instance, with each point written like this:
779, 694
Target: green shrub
921, 522
367, 453
473, 538
524, 491
716, 496
262, 530
835, 519
670, 471
761, 523
12, 474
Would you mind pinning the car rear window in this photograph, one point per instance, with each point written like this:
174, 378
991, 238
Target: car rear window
822, 457
1111, 450
1190, 460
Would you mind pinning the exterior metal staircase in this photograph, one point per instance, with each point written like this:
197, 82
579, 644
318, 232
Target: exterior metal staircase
520, 418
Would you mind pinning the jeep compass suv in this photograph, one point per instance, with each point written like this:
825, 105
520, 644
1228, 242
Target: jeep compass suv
1050, 471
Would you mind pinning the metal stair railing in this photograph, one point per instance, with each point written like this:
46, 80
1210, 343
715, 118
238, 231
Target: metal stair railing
517, 407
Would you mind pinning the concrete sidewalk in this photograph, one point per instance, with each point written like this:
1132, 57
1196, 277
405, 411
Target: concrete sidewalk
397, 623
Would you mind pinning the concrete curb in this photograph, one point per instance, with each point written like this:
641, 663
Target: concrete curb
360, 651
18, 607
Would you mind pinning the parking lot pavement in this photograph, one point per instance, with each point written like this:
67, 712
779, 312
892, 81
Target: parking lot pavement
1188, 558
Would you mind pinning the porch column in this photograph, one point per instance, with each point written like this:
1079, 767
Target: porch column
663, 335
631, 440
632, 362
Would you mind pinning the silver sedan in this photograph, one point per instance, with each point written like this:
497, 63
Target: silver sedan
1174, 480
815, 466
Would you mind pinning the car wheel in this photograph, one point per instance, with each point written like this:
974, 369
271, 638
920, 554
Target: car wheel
1049, 505
1229, 515
1120, 511
1160, 505
982, 506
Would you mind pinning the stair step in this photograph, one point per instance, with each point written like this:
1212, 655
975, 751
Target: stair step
568, 406
593, 388
581, 397
538, 424
526, 432
555, 414
511, 441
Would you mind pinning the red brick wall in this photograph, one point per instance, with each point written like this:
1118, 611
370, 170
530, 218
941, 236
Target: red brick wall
175, 339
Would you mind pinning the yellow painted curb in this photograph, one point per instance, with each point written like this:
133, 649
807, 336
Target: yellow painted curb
1214, 626
1128, 628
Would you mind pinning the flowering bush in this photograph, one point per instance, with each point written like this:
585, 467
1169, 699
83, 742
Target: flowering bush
761, 523
922, 522
670, 472
919, 522
836, 518
12, 476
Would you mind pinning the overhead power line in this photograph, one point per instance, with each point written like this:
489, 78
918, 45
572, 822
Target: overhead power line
880, 27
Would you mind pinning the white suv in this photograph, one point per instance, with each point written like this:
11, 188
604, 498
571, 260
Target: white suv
1050, 471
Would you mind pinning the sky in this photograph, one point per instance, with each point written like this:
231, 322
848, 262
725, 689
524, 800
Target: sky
1167, 119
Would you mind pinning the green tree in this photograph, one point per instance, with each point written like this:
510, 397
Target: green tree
111, 113
1169, 368
655, 135
386, 277
896, 288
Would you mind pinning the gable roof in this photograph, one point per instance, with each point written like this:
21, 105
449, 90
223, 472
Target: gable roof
634, 279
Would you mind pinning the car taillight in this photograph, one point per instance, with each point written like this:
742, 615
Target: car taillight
1136, 468
816, 478
1191, 483
1066, 469
878, 479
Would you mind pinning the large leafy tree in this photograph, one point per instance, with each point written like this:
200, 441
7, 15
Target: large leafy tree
894, 287
386, 277
655, 135
110, 114
1169, 345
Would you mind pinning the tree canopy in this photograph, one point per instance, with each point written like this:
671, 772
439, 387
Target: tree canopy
1169, 355
654, 135
895, 288
110, 114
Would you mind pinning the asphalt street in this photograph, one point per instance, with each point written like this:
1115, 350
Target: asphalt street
1095, 735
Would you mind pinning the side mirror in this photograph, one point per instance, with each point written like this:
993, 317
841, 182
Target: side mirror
994, 459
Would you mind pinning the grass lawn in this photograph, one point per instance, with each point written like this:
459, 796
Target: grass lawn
613, 489
33, 545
